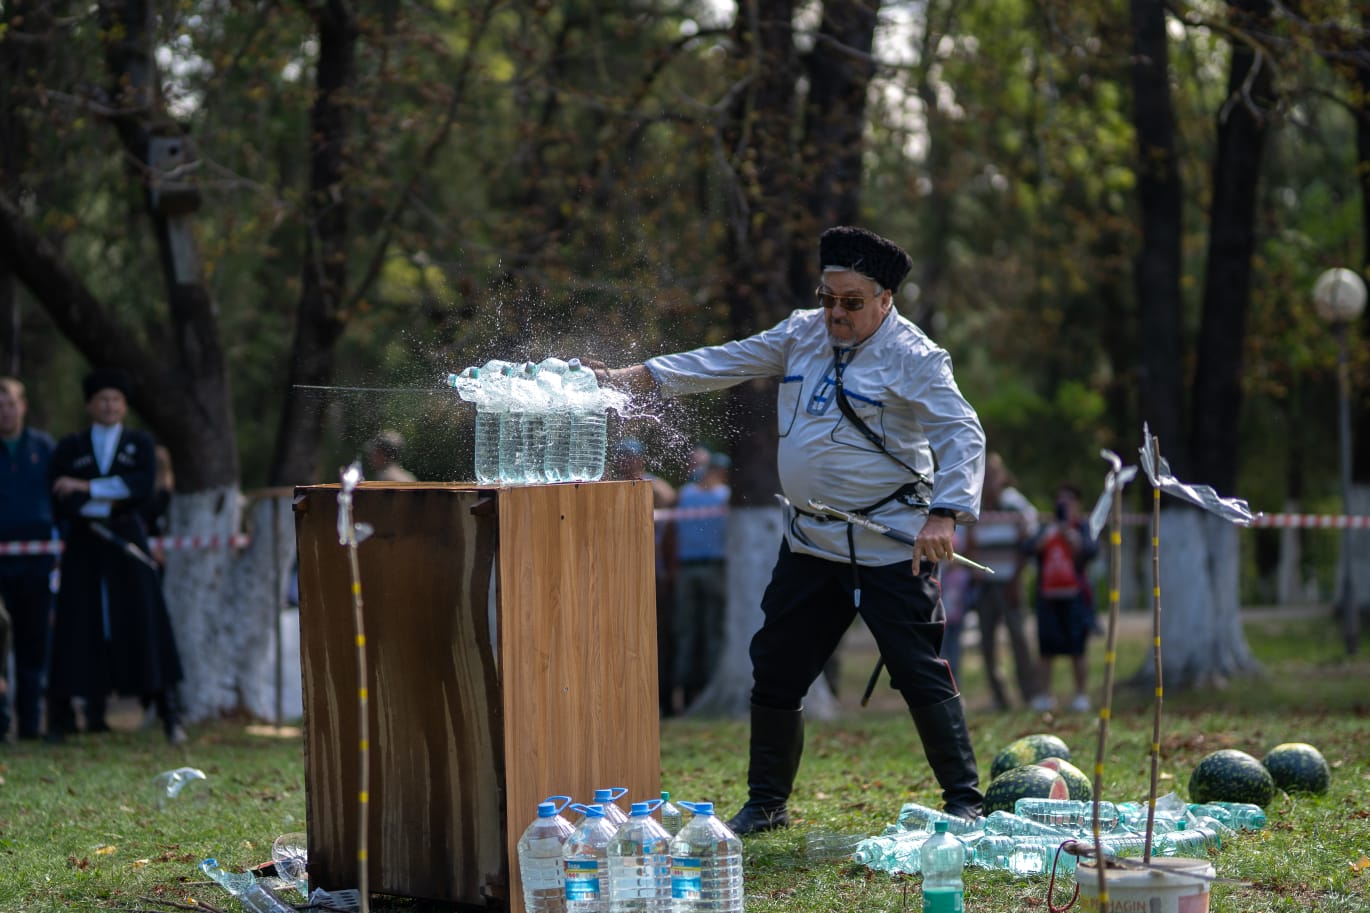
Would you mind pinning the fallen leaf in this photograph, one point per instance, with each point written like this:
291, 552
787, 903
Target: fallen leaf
106, 850
74, 863
139, 863
1360, 865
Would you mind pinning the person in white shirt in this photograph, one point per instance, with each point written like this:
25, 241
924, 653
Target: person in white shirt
866, 400
111, 630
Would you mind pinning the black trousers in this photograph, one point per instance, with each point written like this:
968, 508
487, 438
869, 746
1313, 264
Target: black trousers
29, 601
808, 607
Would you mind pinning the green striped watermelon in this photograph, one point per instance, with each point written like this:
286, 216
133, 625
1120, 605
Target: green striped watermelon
1030, 781
1080, 788
1028, 750
1231, 776
1297, 767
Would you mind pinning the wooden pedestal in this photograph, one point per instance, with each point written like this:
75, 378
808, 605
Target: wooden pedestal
511, 643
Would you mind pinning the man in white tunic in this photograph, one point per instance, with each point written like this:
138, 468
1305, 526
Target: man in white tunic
866, 401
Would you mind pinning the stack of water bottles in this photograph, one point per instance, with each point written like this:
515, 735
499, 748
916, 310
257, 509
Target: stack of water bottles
535, 422
1026, 841
615, 863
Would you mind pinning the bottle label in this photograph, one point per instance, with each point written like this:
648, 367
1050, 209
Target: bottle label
936, 901
687, 877
582, 879
542, 874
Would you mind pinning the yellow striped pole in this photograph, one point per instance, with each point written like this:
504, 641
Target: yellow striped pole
1115, 574
349, 534
1155, 650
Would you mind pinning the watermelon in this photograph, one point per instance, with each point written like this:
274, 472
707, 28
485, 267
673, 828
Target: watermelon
1231, 776
1027, 782
1028, 750
1080, 788
1297, 767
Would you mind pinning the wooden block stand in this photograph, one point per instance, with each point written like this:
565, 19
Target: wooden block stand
511, 643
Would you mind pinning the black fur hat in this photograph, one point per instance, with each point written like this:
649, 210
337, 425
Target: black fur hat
865, 252
105, 379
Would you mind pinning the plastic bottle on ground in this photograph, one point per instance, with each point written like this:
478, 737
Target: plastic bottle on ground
1070, 814
585, 857
706, 864
672, 818
541, 867
250, 894
589, 423
915, 817
1237, 815
943, 859
821, 845
1187, 840
640, 864
1018, 826
897, 852
990, 851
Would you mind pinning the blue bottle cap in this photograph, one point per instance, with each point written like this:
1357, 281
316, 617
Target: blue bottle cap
940, 827
547, 810
640, 809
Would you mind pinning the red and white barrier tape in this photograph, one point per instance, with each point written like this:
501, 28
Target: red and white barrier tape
167, 543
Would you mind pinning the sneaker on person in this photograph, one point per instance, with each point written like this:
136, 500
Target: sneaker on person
1080, 703
1044, 703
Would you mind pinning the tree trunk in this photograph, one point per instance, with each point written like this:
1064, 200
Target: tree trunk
320, 319
1160, 263
1231, 243
1202, 642
1358, 540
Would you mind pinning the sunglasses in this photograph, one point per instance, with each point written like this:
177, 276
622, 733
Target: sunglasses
828, 300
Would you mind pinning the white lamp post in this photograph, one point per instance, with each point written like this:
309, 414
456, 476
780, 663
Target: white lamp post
1339, 297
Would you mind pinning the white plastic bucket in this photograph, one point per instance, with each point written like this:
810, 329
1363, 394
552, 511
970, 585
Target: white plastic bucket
1166, 887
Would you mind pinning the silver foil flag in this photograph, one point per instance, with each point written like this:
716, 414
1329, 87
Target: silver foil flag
1234, 510
1116, 480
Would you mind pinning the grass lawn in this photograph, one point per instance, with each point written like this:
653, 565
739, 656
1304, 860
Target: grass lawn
80, 827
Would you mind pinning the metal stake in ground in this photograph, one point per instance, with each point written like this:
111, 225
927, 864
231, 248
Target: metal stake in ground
350, 534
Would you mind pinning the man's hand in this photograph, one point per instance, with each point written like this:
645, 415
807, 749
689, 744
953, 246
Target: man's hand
934, 542
66, 485
636, 379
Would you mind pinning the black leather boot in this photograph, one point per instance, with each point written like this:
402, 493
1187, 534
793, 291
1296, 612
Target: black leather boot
169, 710
94, 713
946, 742
777, 742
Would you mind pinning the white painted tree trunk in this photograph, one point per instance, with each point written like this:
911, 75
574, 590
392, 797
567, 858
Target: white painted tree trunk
754, 536
1358, 541
224, 604
1289, 588
1202, 642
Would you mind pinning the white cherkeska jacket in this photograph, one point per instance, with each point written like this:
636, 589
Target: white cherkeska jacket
897, 380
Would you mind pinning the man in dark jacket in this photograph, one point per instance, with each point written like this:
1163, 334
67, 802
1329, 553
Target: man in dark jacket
112, 631
25, 579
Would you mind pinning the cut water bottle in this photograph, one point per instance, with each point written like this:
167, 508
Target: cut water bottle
589, 425
556, 460
640, 864
252, 895
541, 867
706, 864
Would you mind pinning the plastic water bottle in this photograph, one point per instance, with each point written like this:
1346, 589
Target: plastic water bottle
540, 859
991, 851
1068, 813
672, 818
556, 460
585, 856
821, 845
510, 432
706, 865
250, 894
1237, 815
897, 852
943, 858
1018, 826
1187, 840
484, 387
1037, 855
535, 403
609, 799
640, 864
915, 817
589, 424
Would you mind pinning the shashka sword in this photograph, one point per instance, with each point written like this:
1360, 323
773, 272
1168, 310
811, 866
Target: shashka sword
876, 526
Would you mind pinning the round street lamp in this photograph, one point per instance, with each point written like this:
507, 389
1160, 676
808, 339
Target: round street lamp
1339, 298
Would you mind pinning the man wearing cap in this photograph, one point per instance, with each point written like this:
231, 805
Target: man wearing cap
866, 403
112, 631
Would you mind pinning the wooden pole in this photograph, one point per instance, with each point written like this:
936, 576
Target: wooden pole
1156, 648
1115, 563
